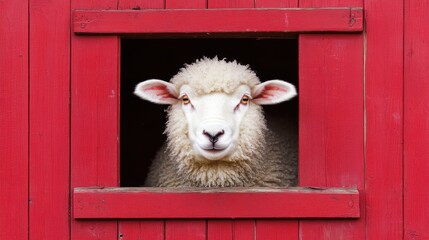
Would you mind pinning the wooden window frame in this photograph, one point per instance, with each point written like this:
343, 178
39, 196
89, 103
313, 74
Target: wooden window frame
299, 202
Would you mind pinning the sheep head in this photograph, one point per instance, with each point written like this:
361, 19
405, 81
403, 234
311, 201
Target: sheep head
215, 112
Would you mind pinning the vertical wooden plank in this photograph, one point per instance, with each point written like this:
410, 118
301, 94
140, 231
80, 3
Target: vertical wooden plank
49, 121
331, 120
231, 4
185, 229
94, 117
416, 126
331, 127
141, 229
244, 229
276, 230
276, 3
384, 124
14, 120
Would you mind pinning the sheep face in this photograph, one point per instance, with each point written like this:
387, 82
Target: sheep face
214, 120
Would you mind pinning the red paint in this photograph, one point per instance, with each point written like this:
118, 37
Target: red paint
226, 20
286, 203
416, 127
46, 149
49, 123
94, 118
14, 120
384, 111
331, 121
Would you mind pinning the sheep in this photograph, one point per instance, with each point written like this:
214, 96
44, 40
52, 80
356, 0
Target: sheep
216, 130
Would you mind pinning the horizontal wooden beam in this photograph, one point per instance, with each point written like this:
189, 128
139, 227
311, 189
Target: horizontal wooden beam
114, 203
218, 21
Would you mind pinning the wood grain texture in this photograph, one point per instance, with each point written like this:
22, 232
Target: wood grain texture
144, 203
384, 120
94, 117
185, 229
49, 122
14, 120
331, 120
416, 125
218, 21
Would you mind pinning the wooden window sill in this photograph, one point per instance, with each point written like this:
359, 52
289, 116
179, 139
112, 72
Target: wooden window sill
138, 203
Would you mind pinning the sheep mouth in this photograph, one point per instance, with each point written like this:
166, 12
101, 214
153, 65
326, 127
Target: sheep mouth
214, 153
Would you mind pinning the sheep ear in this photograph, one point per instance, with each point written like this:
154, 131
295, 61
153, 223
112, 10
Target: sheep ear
157, 91
273, 92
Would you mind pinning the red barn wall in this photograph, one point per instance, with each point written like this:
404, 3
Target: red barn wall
37, 82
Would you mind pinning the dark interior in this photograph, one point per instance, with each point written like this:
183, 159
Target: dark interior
142, 123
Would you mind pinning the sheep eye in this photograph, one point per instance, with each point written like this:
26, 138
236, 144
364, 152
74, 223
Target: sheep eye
185, 99
245, 100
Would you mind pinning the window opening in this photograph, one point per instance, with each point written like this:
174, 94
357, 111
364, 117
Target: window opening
143, 123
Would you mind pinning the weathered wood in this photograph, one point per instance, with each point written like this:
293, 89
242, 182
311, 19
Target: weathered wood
331, 140
94, 117
331, 119
218, 21
49, 119
416, 125
14, 119
158, 203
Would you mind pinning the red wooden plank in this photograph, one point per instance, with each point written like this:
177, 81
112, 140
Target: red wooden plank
231, 3
49, 122
185, 229
276, 230
141, 229
331, 120
244, 229
14, 120
195, 203
228, 20
94, 118
416, 128
384, 123
276, 3
185, 4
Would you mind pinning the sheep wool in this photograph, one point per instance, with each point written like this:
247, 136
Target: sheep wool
264, 157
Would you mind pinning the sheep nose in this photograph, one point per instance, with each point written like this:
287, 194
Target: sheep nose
213, 137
